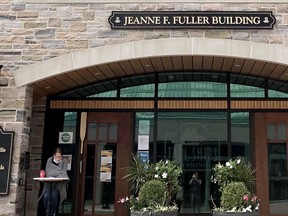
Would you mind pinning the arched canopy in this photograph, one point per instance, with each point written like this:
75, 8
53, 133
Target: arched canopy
163, 55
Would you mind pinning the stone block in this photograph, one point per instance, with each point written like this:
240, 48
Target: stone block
4, 82
282, 8
17, 127
148, 7
97, 43
76, 44
218, 34
45, 33
53, 44
9, 104
88, 15
109, 34
5, 46
7, 116
66, 35
132, 7
245, 36
275, 39
212, 7
54, 22
28, 14
166, 6
18, 6
28, 25
157, 35
78, 26
7, 17
32, 58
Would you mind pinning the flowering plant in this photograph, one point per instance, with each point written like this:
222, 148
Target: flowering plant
236, 181
153, 186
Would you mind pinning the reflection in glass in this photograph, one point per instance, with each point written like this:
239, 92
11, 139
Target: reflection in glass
281, 131
103, 131
240, 134
237, 90
92, 131
198, 141
278, 178
144, 125
113, 131
271, 131
277, 94
192, 89
90, 164
138, 91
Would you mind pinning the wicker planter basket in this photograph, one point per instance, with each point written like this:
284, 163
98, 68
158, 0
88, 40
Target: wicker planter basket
218, 213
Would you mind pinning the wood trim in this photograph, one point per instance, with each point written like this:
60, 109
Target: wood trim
259, 104
101, 104
193, 104
167, 104
261, 164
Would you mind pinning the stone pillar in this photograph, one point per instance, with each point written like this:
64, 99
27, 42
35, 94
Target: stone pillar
15, 114
36, 142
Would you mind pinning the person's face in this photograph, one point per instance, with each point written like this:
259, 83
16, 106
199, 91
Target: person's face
58, 157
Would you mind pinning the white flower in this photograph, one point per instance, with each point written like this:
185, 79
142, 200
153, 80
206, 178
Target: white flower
228, 164
127, 199
156, 176
166, 162
231, 166
164, 175
156, 168
238, 161
257, 207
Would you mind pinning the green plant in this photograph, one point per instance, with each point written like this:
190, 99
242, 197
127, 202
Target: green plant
152, 193
138, 174
237, 170
163, 175
236, 181
232, 196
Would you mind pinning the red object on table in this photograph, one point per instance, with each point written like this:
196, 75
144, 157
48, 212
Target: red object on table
42, 173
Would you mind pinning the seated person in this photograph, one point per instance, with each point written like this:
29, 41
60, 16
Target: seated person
56, 167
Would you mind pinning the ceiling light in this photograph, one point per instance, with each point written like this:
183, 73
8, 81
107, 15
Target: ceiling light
147, 65
237, 65
97, 73
48, 87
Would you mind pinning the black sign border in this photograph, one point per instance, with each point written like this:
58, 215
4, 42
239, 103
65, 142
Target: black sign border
192, 27
12, 133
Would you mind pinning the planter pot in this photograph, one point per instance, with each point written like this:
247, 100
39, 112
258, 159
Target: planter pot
149, 213
218, 213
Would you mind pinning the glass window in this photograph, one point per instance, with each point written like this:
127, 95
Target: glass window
70, 123
144, 126
278, 178
282, 131
240, 134
92, 132
271, 131
276, 94
108, 94
192, 89
197, 141
138, 91
237, 90
277, 89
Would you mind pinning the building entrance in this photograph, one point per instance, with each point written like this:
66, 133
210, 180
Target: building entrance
106, 145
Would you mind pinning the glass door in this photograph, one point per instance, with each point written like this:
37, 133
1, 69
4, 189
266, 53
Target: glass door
106, 137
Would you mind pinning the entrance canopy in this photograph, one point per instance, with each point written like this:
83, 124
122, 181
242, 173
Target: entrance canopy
73, 70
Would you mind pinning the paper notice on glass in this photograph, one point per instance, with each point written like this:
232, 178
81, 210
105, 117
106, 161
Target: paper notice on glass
143, 142
105, 174
144, 127
106, 157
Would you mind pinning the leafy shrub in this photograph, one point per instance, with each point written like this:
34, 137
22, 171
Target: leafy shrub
232, 196
152, 193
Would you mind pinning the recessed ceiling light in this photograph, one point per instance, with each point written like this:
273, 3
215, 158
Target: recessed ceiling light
237, 65
48, 87
97, 73
147, 65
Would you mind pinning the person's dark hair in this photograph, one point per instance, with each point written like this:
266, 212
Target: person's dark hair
58, 150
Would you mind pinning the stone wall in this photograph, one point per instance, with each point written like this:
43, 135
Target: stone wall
30, 33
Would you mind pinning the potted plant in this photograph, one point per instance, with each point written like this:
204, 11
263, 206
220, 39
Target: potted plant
153, 188
236, 181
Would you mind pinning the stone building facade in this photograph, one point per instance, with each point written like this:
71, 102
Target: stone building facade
34, 31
